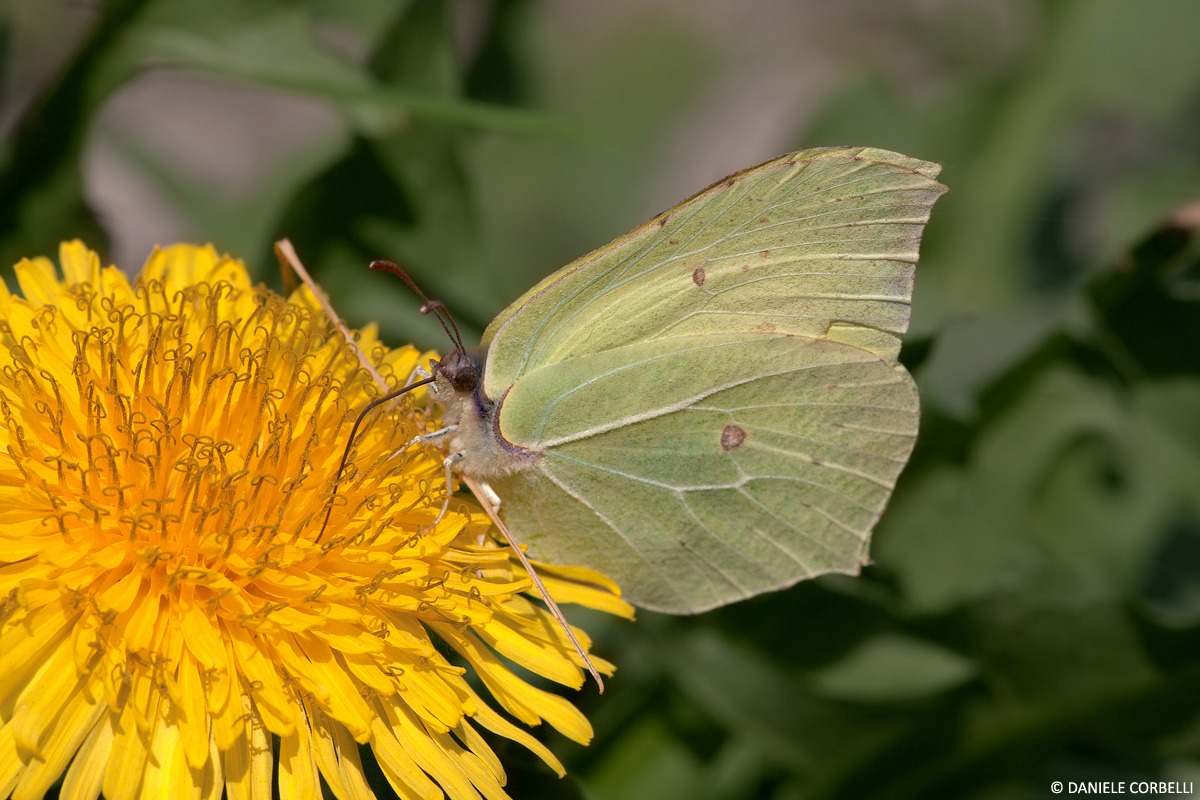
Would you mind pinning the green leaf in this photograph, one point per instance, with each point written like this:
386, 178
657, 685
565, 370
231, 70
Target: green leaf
282, 52
892, 668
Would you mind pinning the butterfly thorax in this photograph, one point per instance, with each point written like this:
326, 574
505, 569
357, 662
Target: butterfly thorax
458, 388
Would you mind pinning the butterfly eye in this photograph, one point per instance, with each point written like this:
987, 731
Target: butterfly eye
465, 379
460, 370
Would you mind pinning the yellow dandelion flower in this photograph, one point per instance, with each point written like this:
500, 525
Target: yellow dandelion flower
170, 612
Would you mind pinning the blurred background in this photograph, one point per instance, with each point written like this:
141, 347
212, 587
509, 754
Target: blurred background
1033, 612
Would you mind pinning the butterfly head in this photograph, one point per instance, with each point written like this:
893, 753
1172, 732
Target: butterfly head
458, 371
458, 378
467, 411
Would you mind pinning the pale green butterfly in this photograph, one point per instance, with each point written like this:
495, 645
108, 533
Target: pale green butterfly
711, 406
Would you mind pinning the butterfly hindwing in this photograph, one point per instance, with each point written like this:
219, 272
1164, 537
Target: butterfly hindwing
773, 469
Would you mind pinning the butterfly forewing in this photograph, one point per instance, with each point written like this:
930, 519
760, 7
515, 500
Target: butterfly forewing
794, 245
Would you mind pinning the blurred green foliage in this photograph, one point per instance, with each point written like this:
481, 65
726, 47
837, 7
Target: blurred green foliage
1033, 613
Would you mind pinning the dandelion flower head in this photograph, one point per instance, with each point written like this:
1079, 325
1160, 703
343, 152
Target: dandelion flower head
173, 620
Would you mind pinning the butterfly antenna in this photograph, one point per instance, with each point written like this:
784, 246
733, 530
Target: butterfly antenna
350, 442
443, 314
437, 307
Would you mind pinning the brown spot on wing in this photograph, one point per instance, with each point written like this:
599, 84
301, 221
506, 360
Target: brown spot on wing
698, 276
732, 437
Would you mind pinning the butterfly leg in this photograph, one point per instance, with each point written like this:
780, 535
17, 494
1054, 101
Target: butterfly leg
433, 436
449, 462
426, 438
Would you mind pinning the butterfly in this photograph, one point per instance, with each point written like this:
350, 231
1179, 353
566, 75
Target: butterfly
711, 406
